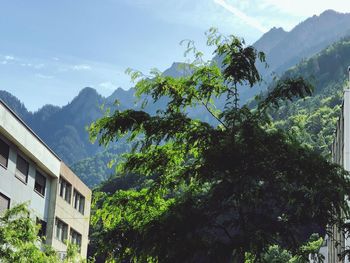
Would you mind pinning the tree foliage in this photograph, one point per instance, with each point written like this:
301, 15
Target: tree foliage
20, 241
214, 192
313, 120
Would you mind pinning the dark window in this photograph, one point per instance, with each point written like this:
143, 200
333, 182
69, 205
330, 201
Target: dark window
79, 201
61, 230
4, 203
40, 183
75, 238
22, 167
4, 153
65, 190
42, 224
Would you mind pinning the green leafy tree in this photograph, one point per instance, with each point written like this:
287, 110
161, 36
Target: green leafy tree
276, 254
19, 239
215, 192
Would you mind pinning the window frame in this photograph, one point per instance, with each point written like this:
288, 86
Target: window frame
43, 227
8, 153
60, 234
18, 171
8, 203
63, 183
41, 193
73, 240
77, 205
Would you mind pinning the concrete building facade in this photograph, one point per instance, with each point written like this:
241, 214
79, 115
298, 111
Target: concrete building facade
340, 155
31, 172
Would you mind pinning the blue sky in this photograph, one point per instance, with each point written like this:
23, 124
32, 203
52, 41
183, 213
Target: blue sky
50, 50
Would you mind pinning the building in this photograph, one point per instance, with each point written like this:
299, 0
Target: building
31, 172
340, 155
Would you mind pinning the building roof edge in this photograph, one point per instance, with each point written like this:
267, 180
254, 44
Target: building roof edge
29, 129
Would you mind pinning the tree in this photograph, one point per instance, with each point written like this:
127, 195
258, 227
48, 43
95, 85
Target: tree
20, 240
214, 192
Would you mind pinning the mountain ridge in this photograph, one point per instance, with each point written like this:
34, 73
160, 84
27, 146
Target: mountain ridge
64, 128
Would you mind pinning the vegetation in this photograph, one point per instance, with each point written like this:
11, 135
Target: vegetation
100, 168
275, 254
313, 120
20, 241
214, 193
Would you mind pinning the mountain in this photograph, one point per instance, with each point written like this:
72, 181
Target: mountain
15, 104
308, 38
285, 49
270, 39
64, 128
313, 120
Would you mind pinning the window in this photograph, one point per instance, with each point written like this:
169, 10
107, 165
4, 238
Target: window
40, 183
4, 153
79, 201
22, 167
42, 224
61, 230
65, 190
75, 238
4, 203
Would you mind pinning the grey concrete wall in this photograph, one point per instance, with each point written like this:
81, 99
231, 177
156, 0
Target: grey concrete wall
17, 132
341, 156
22, 140
20, 192
72, 217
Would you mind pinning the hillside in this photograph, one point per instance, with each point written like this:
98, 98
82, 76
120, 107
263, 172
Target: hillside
64, 128
313, 120
308, 38
285, 49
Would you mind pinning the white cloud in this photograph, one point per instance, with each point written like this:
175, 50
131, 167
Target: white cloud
241, 15
26, 64
81, 67
39, 66
108, 85
8, 58
42, 76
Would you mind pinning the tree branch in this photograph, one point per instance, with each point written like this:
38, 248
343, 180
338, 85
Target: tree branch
211, 113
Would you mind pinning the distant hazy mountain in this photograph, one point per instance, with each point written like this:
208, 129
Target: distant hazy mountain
270, 39
307, 38
285, 49
15, 104
64, 128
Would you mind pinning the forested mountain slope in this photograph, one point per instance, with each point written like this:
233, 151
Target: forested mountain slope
313, 120
285, 49
64, 128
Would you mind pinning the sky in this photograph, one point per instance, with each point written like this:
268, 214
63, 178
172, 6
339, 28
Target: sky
50, 50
